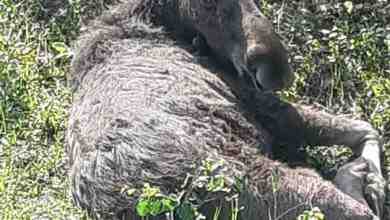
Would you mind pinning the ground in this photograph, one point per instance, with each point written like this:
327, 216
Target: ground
339, 52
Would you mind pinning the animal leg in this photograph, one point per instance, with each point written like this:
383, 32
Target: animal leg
361, 178
300, 124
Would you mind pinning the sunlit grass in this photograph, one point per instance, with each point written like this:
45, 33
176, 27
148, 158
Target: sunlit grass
34, 59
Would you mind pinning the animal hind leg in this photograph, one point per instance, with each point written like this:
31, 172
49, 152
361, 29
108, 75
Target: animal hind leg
301, 124
361, 178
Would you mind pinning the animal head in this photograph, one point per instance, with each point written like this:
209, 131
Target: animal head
239, 32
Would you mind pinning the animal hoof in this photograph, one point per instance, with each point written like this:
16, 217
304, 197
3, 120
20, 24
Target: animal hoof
350, 179
375, 192
363, 182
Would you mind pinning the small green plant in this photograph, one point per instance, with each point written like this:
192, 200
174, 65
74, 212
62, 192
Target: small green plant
208, 184
187, 211
211, 176
313, 214
152, 202
213, 180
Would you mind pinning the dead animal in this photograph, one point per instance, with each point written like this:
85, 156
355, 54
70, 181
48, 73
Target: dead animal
146, 110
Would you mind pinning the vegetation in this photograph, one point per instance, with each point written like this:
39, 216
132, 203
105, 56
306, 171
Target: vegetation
34, 58
314, 214
208, 185
339, 49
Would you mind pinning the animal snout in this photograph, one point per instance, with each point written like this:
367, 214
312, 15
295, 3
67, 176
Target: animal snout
272, 73
254, 55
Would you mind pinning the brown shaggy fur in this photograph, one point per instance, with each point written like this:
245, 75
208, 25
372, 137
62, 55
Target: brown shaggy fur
147, 110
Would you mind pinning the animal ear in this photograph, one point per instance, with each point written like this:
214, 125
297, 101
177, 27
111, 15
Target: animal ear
208, 3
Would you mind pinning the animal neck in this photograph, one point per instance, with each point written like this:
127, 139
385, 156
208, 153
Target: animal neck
174, 15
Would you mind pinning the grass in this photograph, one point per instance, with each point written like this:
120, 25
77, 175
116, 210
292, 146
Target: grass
33, 107
340, 53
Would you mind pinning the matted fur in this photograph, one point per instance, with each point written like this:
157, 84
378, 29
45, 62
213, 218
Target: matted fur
147, 110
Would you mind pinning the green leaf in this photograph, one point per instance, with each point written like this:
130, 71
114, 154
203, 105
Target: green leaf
349, 6
185, 211
168, 204
143, 208
216, 184
149, 192
130, 192
155, 207
61, 49
319, 216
